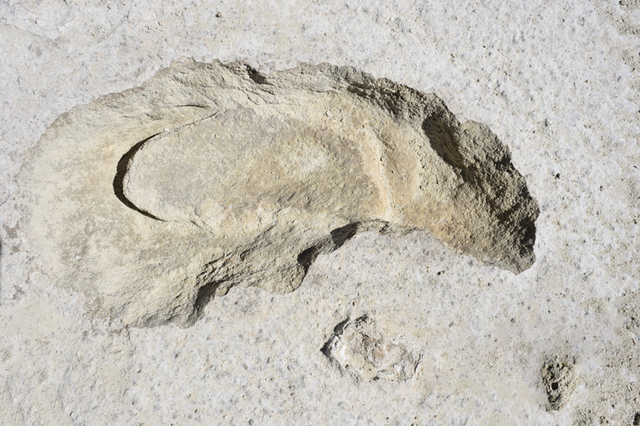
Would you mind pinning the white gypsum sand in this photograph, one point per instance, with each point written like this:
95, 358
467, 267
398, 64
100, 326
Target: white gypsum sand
557, 84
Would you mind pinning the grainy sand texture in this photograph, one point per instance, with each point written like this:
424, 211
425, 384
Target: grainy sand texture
404, 327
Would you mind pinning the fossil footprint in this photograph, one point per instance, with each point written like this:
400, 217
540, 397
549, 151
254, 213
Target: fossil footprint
207, 176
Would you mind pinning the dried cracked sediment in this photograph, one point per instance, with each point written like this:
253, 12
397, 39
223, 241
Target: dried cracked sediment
207, 176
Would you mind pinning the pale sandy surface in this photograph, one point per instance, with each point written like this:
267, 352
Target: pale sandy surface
556, 81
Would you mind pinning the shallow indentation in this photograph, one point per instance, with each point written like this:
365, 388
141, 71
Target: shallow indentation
358, 347
559, 378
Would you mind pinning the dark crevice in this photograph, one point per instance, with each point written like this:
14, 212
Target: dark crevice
444, 143
205, 293
341, 235
121, 171
306, 258
338, 237
528, 237
256, 76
